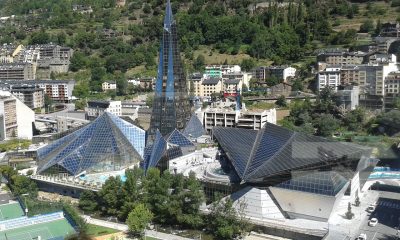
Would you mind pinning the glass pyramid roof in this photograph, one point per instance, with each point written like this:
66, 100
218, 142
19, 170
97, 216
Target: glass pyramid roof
194, 128
107, 144
158, 149
274, 150
177, 138
325, 183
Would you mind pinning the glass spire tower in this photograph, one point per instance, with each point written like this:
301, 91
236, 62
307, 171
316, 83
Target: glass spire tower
171, 107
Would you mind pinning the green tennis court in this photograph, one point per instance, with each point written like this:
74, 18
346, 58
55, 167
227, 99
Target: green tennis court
10, 211
58, 228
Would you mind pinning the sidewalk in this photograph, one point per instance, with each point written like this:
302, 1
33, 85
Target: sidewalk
124, 228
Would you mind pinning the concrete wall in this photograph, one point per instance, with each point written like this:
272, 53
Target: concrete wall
304, 205
25, 119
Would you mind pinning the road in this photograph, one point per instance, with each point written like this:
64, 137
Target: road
388, 214
68, 112
124, 227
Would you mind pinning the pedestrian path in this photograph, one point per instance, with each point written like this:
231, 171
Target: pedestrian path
124, 228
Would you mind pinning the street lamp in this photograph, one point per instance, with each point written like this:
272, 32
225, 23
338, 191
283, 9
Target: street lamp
26, 206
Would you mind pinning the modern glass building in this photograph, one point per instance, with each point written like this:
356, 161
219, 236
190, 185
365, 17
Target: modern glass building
296, 174
106, 144
171, 107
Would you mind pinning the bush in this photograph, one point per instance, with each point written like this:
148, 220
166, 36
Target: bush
75, 217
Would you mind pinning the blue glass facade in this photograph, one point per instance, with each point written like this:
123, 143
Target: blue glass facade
171, 107
275, 156
107, 144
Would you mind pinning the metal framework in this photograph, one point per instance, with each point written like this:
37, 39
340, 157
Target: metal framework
171, 107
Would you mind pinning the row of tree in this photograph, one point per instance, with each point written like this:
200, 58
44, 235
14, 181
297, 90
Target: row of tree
164, 199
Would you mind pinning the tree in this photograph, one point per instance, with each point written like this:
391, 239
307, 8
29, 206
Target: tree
40, 37
355, 119
367, 26
77, 62
199, 63
23, 185
88, 201
349, 213
378, 27
149, 100
247, 64
138, 219
281, 101
111, 196
224, 222
326, 125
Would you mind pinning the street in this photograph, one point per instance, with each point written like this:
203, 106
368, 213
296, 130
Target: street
388, 214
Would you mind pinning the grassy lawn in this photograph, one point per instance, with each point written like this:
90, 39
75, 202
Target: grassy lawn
95, 230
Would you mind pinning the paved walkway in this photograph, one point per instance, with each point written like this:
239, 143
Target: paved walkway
124, 228
342, 228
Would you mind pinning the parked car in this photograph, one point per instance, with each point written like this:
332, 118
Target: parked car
371, 208
373, 222
362, 236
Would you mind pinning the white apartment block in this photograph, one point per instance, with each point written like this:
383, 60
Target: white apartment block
16, 119
108, 86
330, 77
96, 108
223, 117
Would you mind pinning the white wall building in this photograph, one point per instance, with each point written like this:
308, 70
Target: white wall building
330, 77
16, 119
108, 86
96, 108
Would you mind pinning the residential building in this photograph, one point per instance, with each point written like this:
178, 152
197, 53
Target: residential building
390, 29
219, 70
342, 57
83, 9
8, 52
96, 108
17, 71
392, 84
109, 85
211, 86
57, 90
16, 119
31, 95
147, 83
232, 87
348, 97
329, 77
226, 117
282, 73
372, 78
381, 58
196, 87
349, 74
53, 57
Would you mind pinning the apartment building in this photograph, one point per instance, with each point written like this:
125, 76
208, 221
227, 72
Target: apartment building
16, 119
342, 57
31, 95
329, 77
392, 84
347, 97
196, 86
17, 71
108, 85
224, 117
282, 73
219, 70
96, 108
8, 52
210, 86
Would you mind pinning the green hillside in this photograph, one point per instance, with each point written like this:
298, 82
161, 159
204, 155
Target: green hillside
119, 42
